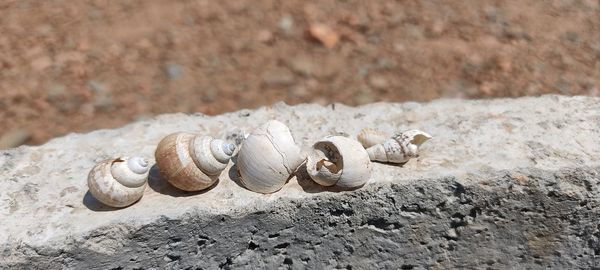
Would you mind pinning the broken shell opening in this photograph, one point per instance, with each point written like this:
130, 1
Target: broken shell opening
325, 164
412, 140
419, 139
413, 136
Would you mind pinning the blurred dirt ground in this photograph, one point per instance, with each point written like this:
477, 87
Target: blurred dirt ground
74, 66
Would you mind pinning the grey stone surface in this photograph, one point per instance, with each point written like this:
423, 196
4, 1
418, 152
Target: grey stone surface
507, 183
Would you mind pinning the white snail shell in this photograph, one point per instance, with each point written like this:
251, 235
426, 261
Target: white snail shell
119, 182
268, 158
192, 162
400, 148
369, 137
339, 161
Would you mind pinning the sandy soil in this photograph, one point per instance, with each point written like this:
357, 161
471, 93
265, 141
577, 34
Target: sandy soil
74, 66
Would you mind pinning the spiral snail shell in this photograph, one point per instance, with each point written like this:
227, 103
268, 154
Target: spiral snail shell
339, 161
192, 162
268, 158
400, 148
369, 137
119, 182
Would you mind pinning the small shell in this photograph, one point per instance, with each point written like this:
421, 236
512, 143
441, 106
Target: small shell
119, 182
191, 162
268, 158
400, 148
369, 137
340, 161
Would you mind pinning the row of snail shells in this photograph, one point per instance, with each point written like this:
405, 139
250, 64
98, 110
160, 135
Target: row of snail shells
339, 161
119, 182
398, 149
192, 162
268, 158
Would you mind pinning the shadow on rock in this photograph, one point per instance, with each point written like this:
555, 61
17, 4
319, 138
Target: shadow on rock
93, 204
162, 186
234, 175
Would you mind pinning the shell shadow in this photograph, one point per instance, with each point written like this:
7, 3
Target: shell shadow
400, 165
93, 204
234, 175
157, 183
309, 186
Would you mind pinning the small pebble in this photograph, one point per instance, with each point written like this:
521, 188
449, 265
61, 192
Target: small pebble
324, 34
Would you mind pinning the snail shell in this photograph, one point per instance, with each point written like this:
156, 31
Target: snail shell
191, 162
119, 182
369, 137
268, 158
340, 161
400, 148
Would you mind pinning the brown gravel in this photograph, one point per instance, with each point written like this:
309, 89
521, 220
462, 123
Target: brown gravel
73, 66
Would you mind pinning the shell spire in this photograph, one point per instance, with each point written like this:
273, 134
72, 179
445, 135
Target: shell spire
119, 182
192, 162
400, 148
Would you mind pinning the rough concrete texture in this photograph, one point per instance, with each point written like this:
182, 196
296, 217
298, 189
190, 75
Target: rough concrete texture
508, 183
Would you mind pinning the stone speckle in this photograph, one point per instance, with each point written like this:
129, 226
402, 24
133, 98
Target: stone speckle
480, 195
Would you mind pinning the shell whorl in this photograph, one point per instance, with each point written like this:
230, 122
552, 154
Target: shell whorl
188, 161
210, 155
400, 148
222, 150
105, 181
131, 172
340, 161
138, 165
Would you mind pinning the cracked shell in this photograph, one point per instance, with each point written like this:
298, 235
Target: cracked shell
268, 158
400, 148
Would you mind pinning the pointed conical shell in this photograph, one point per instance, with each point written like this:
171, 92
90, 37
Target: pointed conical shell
369, 137
187, 160
268, 158
340, 161
119, 182
400, 148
